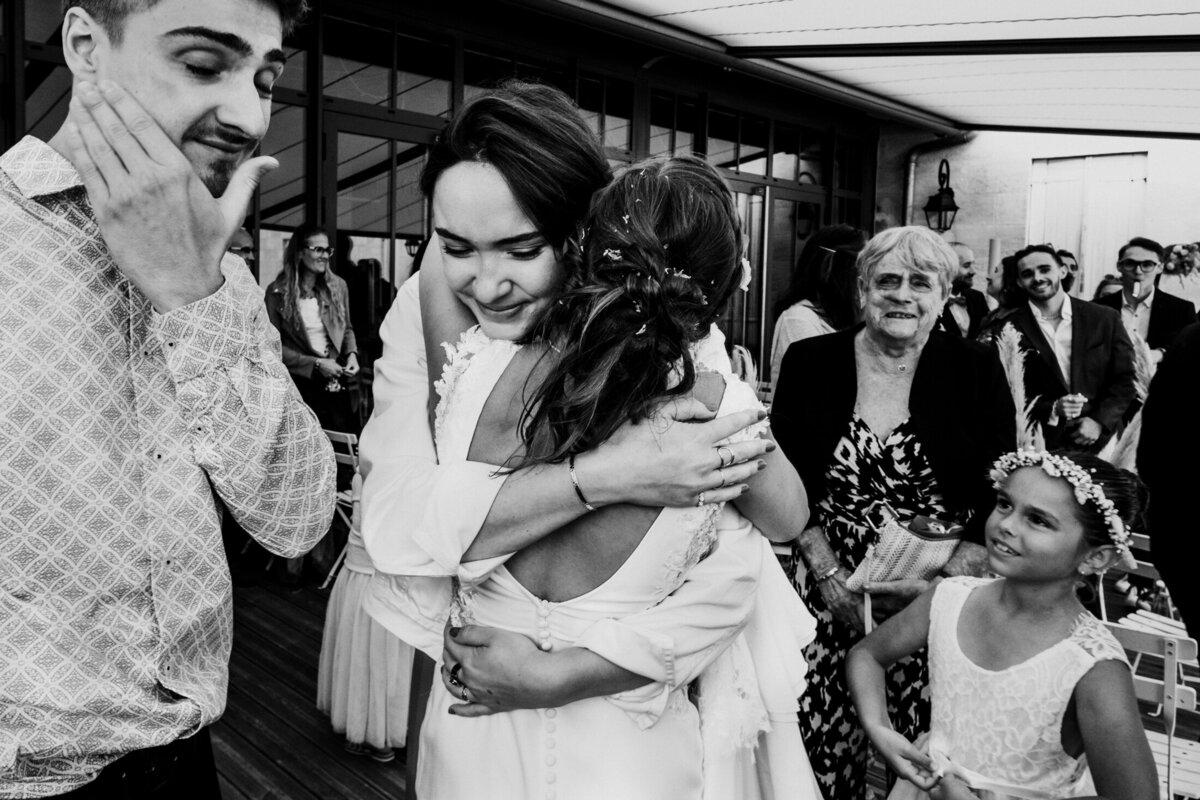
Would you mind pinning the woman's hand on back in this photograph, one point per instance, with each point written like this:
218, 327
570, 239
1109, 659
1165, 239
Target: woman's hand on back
672, 457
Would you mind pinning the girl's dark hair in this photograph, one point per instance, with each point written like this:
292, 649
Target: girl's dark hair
326, 287
660, 256
826, 276
535, 137
1120, 486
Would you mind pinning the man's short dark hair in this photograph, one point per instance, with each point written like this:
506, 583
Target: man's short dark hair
1029, 249
1145, 244
1066, 254
111, 14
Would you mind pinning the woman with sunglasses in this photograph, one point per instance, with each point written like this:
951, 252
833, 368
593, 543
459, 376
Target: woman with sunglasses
310, 307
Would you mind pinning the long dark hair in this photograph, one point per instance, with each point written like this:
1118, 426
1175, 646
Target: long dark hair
1121, 486
825, 275
327, 287
538, 140
660, 257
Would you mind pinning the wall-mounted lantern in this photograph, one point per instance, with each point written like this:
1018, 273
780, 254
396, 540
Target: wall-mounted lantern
412, 247
941, 208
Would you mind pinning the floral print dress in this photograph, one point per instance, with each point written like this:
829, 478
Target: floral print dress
865, 471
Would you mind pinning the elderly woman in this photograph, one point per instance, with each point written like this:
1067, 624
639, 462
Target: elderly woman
893, 412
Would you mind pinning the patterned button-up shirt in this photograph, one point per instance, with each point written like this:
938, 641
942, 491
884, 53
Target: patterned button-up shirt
120, 428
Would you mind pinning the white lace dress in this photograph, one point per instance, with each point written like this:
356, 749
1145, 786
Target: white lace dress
603, 747
1002, 730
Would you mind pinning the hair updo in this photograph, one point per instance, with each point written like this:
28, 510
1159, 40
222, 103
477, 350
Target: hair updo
657, 261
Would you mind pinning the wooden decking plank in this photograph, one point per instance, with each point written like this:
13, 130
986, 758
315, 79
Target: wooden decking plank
276, 608
290, 708
292, 655
322, 776
229, 791
256, 775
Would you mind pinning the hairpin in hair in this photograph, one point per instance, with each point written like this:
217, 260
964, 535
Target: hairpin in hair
612, 254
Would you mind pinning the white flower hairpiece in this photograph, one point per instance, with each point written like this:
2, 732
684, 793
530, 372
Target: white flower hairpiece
612, 254
1086, 490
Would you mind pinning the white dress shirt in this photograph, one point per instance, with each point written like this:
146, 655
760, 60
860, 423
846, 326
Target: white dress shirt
1058, 337
1137, 318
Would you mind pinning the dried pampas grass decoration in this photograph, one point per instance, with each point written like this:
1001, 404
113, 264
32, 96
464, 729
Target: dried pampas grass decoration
1012, 357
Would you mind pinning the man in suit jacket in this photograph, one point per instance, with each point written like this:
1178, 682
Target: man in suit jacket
966, 307
1156, 316
1079, 364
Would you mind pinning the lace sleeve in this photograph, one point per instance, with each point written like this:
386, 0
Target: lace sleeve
1098, 642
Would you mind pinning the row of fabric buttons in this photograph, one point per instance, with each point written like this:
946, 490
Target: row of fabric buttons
544, 625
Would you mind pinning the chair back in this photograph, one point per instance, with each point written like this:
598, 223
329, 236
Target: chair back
1170, 692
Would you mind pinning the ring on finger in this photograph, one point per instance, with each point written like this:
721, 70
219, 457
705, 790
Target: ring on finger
455, 671
724, 480
700, 500
466, 693
725, 453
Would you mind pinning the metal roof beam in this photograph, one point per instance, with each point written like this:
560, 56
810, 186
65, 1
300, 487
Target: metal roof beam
977, 47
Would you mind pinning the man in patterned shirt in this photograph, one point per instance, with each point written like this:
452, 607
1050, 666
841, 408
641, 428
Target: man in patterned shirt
144, 397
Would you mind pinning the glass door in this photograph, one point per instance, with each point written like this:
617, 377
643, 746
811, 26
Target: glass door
371, 198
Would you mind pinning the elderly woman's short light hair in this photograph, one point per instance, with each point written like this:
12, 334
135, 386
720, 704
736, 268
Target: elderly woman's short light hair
912, 246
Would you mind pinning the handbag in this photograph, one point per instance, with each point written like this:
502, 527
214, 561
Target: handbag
916, 551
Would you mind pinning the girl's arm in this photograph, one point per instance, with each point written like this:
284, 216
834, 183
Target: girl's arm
899, 636
1117, 751
778, 503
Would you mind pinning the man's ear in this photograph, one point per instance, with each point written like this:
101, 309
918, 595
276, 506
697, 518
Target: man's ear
84, 41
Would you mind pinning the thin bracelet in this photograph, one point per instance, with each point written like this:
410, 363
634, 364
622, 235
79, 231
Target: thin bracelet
575, 483
827, 574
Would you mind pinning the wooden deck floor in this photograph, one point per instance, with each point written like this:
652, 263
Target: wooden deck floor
273, 743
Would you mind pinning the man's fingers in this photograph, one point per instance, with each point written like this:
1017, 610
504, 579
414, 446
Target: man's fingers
140, 125
93, 181
105, 159
241, 188
114, 129
726, 426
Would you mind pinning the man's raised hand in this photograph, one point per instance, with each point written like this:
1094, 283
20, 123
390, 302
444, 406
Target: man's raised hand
165, 230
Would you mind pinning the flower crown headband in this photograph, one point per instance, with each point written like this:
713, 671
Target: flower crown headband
1086, 491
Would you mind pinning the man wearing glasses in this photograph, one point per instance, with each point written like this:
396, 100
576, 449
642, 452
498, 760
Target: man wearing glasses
1157, 317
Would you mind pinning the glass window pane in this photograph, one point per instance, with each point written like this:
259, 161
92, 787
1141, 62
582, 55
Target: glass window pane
722, 139
849, 211
849, 165
483, 70
591, 102
357, 62
741, 321
787, 153
618, 111
752, 156
282, 194
812, 157
685, 128
423, 81
43, 21
48, 87
662, 124
294, 74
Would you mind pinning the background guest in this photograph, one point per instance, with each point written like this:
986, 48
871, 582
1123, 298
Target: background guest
1157, 317
966, 306
1071, 265
1109, 284
309, 305
821, 296
890, 411
242, 245
1079, 359
1166, 462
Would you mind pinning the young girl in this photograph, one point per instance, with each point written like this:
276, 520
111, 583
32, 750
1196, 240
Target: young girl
1032, 696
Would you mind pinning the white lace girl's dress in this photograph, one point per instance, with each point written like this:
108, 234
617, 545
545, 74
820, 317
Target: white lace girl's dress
1002, 730
633, 745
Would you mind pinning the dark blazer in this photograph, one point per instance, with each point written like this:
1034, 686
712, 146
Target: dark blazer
298, 355
1166, 462
960, 406
1101, 368
1168, 316
977, 309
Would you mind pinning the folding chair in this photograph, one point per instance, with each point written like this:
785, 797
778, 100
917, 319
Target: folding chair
1178, 761
345, 452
